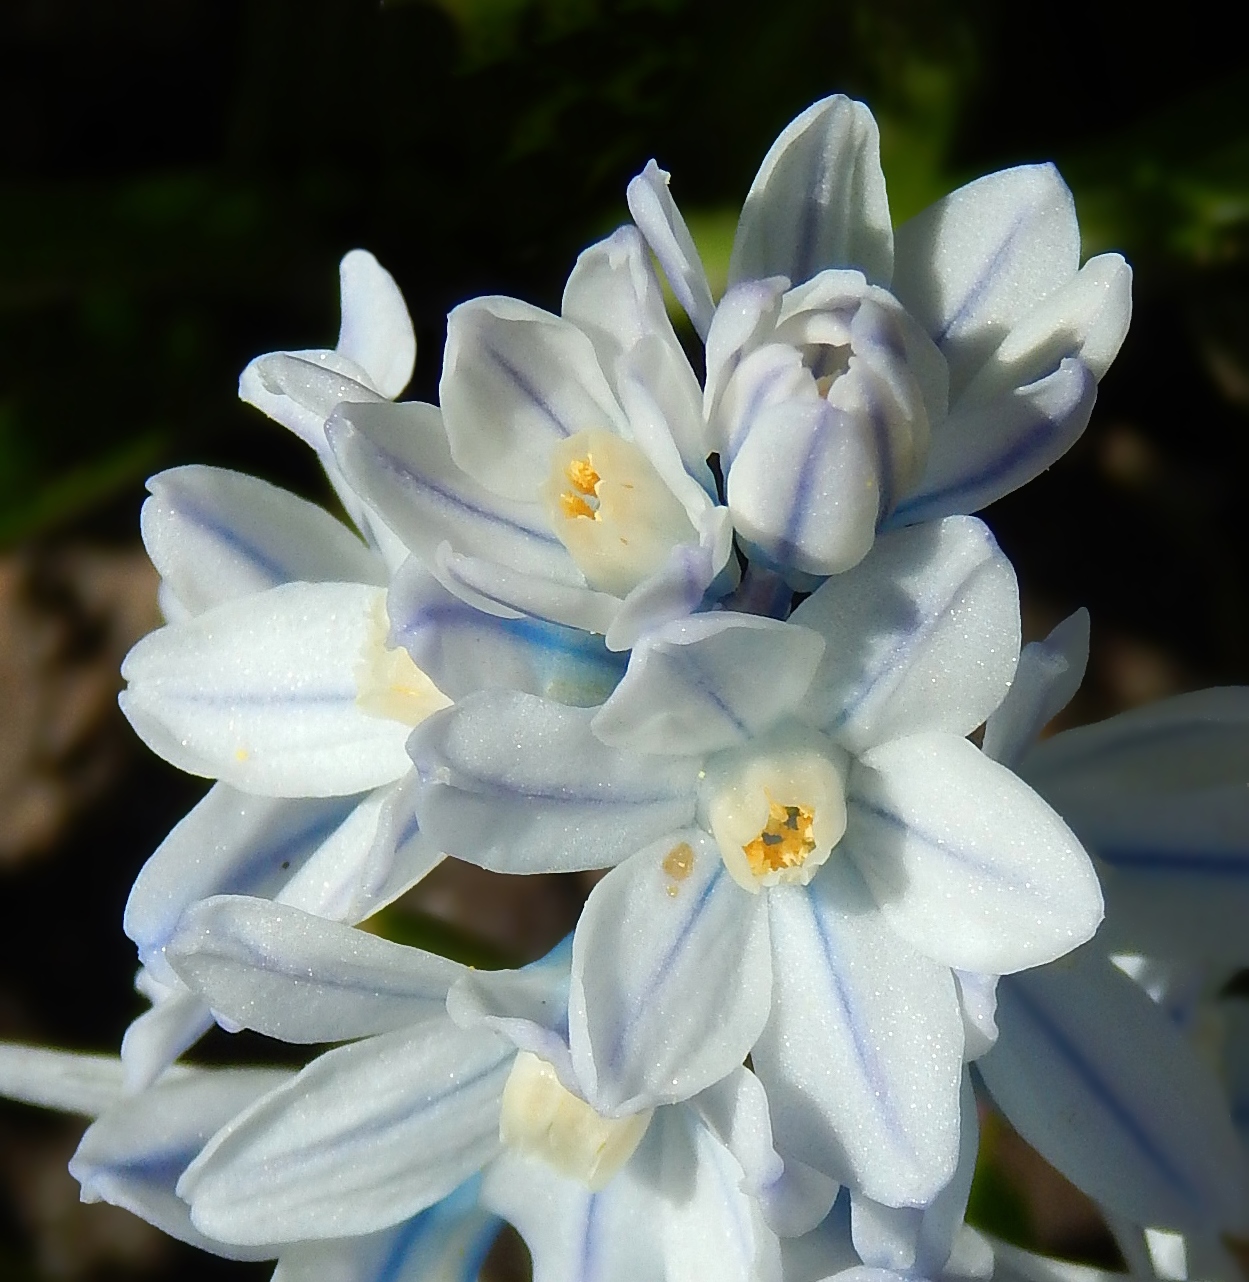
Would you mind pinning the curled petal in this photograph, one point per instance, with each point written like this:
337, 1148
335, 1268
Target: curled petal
265, 693
923, 635
984, 451
301, 389
519, 784
967, 863
686, 693
177, 1019
671, 976
660, 222
818, 200
978, 261
376, 330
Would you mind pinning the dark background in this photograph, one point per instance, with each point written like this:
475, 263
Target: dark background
178, 179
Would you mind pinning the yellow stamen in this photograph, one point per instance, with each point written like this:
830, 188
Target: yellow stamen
575, 505
582, 475
785, 842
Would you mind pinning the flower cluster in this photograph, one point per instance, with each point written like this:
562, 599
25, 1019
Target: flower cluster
740, 643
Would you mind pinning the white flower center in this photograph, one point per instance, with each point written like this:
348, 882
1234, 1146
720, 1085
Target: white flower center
541, 1118
388, 683
612, 511
777, 817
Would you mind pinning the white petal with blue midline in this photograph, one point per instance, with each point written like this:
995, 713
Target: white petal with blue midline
966, 862
264, 693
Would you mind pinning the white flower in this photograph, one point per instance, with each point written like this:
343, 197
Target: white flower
831, 357
807, 845
136, 1150
565, 477
370, 1133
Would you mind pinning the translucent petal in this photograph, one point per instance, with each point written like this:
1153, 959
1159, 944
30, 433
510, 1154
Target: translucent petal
660, 222
692, 687
376, 329
979, 260
967, 863
1095, 1077
515, 382
924, 634
984, 451
519, 784
133, 1156
299, 978
818, 200
263, 693
671, 976
862, 1054
214, 535
365, 1137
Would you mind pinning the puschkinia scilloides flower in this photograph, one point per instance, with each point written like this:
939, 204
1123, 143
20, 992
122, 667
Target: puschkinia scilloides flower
861, 377
804, 849
565, 476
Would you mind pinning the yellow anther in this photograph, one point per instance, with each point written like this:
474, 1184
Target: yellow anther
582, 475
575, 505
785, 842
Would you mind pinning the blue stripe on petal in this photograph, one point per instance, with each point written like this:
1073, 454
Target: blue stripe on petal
980, 286
527, 389
272, 569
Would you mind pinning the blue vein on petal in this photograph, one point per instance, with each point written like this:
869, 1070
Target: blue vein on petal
527, 389
974, 490
976, 291
694, 674
274, 570
388, 1120
860, 1037
589, 1240
891, 663
260, 865
1102, 1092
441, 1221
787, 546
659, 974
410, 480
1023, 879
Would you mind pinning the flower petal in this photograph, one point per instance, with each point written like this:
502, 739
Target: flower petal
1087, 318
687, 693
365, 1137
804, 486
376, 330
923, 635
230, 843
177, 1020
1107, 1089
1048, 675
967, 863
133, 1156
984, 451
518, 784
793, 1197
671, 976
398, 456
214, 535
862, 1054
818, 200
1158, 795
447, 1242
300, 389
300, 978
263, 693
660, 222
72, 1083
515, 382
978, 261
